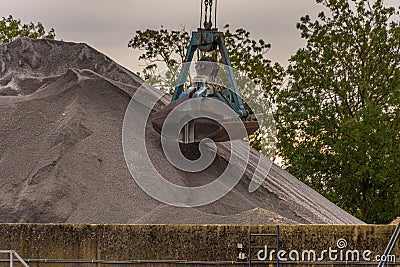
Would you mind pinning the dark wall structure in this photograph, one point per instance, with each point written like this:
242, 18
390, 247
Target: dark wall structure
203, 243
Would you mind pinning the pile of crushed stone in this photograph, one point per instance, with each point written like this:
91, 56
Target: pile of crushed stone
396, 221
62, 107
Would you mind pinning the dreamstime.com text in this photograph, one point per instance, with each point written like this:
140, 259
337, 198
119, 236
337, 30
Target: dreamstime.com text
340, 253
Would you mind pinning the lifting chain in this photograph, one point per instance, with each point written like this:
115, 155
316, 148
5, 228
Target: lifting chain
210, 4
207, 17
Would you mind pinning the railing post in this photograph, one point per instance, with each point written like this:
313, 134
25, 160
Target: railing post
11, 259
278, 244
250, 249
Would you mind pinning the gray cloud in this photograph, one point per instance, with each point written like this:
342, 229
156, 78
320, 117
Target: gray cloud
108, 25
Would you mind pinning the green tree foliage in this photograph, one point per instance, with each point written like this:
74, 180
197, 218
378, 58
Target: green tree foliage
162, 48
11, 29
247, 55
339, 118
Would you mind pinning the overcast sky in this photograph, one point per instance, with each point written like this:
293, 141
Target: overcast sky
108, 25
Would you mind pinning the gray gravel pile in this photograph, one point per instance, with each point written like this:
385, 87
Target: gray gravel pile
61, 111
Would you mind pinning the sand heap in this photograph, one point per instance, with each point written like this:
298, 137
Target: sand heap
61, 112
396, 221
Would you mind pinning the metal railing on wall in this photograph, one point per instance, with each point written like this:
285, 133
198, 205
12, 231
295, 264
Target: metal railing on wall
392, 242
275, 238
192, 262
14, 256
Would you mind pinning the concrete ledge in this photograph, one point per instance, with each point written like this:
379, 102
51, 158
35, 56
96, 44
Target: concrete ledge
178, 242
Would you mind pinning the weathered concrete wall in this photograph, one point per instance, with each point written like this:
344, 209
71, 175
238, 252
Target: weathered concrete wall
184, 242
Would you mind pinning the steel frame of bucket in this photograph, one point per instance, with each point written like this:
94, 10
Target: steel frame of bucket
187, 134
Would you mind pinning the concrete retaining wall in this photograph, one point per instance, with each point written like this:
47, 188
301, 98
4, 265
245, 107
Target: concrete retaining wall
183, 242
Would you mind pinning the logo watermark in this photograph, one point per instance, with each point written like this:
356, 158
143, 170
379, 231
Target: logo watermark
331, 254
